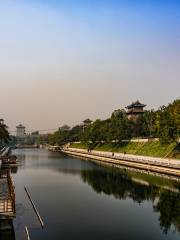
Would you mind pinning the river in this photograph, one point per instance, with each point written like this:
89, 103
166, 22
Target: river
80, 199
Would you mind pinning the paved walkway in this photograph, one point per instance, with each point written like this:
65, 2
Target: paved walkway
167, 166
167, 162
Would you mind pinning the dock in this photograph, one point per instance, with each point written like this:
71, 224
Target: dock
7, 196
7, 193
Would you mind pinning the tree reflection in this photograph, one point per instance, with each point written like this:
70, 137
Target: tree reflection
121, 185
169, 208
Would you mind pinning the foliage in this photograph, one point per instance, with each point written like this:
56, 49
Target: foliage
4, 134
143, 126
119, 126
163, 124
167, 122
151, 148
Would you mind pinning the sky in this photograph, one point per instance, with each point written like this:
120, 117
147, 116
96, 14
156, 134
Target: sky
67, 60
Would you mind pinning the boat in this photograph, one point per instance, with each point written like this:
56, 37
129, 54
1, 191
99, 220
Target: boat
11, 161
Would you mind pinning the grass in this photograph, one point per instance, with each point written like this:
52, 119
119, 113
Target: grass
150, 148
79, 145
155, 148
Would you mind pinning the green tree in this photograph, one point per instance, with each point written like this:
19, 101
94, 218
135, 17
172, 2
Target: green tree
119, 128
93, 133
4, 134
168, 122
76, 133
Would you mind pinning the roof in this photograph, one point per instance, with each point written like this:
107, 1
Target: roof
136, 104
87, 120
20, 126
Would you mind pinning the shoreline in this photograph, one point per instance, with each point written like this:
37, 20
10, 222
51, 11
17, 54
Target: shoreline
165, 166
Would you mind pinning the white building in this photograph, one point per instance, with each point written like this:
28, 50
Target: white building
20, 131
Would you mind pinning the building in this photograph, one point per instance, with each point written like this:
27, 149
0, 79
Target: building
135, 110
86, 122
20, 131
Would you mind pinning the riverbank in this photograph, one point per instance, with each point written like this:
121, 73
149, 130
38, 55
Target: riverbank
160, 165
150, 148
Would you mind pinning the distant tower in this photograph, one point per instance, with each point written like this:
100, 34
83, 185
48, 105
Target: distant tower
20, 131
87, 122
135, 110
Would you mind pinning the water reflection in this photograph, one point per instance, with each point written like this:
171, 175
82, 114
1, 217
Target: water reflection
122, 185
7, 235
52, 161
169, 208
93, 196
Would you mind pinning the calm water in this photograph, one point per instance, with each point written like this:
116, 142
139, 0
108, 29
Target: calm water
79, 199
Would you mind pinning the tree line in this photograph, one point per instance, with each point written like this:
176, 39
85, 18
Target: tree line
163, 123
4, 134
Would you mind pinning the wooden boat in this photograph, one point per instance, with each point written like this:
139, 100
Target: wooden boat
11, 161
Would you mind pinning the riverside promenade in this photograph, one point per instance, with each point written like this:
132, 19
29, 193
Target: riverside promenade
160, 165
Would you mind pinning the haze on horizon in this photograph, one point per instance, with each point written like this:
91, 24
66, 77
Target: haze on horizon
63, 61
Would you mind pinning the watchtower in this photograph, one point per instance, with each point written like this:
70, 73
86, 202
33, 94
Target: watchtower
135, 109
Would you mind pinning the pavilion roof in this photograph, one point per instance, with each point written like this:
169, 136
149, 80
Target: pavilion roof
136, 104
87, 120
20, 126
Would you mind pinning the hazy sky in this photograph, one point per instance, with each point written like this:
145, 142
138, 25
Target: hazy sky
63, 61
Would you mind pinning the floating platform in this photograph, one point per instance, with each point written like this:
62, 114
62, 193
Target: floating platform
7, 197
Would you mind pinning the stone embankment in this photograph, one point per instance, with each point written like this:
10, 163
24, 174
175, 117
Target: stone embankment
160, 165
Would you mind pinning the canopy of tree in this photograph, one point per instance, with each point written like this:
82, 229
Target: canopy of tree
163, 124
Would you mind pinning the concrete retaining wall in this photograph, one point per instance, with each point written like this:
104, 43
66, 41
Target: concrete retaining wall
168, 166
